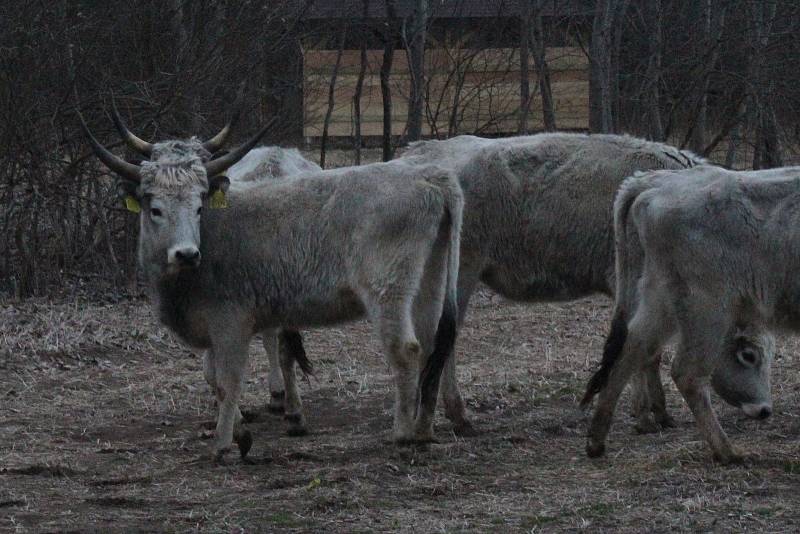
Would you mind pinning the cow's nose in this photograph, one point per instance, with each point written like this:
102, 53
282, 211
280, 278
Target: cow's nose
765, 412
189, 257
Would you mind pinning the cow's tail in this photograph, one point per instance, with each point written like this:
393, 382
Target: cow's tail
292, 344
446, 331
629, 259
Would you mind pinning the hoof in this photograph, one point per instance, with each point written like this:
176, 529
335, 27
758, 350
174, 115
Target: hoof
249, 416
646, 426
297, 427
218, 456
275, 409
244, 440
595, 450
276, 403
297, 431
730, 458
666, 421
465, 429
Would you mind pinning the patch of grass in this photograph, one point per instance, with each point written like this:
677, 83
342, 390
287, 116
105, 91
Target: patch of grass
538, 520
599, 509
792, 467
764, 512
283, 519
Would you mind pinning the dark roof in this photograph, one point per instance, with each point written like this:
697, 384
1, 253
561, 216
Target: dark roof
338, 9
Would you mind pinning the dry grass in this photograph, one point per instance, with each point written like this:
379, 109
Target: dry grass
102, 421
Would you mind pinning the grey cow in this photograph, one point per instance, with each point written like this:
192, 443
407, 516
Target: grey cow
703, 254
380, 240
538, 226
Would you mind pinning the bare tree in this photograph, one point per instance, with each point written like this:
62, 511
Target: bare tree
414, 37
389, 37
331, 97
604, 64
360, 83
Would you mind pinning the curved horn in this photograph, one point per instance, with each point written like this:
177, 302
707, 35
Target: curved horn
129, 171
216, 166
140, 145
216, 142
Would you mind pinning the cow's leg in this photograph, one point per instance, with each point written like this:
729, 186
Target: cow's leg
454, 407
649, 402
646, 333
230, 343
658, 401
428, 308
289, 340
210, 374
277, 393
698, 352
404, 354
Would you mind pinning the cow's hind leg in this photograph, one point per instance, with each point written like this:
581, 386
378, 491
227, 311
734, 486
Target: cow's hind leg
290, 343
645, 335
454, 407
404, 354
277, 393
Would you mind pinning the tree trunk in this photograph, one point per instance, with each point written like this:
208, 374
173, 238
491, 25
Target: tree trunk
600, 120
713, 21
607, 30
543, 69
386, 72
331, 99
415, 45
653, 78
360, 84
524, 75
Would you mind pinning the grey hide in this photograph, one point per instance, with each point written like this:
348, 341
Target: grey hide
702, 254
538, 226
379, 241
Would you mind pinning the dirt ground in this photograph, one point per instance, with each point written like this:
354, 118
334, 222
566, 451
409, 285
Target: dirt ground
102, 413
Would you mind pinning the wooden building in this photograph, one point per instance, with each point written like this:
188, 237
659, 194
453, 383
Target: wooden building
472, 67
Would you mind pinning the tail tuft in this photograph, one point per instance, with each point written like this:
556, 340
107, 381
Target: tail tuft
442, 347
615, 342
292, 343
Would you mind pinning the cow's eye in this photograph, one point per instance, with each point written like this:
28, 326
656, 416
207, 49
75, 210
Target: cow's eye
748, 358
199, 210
155, 212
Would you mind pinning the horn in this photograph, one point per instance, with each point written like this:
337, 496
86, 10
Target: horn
216, 142
216, 166
139, 145
128, 171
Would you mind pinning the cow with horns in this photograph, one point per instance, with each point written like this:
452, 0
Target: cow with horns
380, 240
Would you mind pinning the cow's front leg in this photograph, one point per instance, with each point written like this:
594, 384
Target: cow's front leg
210, 374
230, 358
691, 371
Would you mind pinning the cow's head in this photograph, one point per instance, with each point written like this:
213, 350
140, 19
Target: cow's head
169, 191
742, 377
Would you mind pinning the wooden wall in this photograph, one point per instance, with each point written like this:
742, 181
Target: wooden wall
484, 84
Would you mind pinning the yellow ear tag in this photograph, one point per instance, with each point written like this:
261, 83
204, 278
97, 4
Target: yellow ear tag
218, 200
132, 204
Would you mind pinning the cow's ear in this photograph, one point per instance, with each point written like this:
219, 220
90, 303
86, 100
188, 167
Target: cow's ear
216, 191
129, 193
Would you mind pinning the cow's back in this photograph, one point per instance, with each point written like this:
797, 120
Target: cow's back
539, 210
